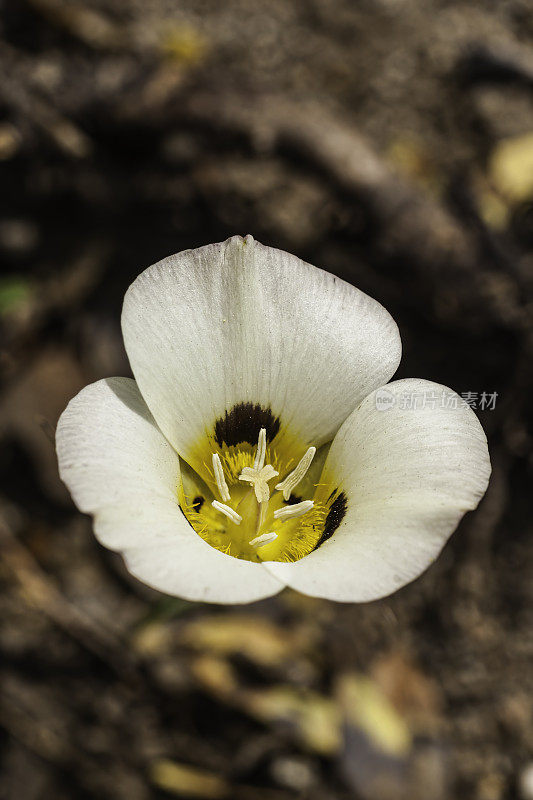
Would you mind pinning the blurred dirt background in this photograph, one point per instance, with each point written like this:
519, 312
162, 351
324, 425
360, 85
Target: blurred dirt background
388, 141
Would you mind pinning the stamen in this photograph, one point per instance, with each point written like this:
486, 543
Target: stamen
259, 462
294, 478
265, 538
229, 512
219, 478
295, 510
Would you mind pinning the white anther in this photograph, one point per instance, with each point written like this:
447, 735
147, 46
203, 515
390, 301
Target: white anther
229, 512
265, 538
219, 478
259, 462
295, 510
294, 478
258, 479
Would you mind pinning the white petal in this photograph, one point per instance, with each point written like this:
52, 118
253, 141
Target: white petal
120, 468
237, 322
408, 475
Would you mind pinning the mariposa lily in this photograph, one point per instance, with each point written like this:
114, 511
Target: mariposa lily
253, 450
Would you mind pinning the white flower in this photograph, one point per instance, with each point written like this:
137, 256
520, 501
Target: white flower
248, 363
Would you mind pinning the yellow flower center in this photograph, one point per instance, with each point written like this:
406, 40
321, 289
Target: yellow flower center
253, 517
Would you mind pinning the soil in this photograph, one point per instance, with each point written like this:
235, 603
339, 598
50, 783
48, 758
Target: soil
387, 141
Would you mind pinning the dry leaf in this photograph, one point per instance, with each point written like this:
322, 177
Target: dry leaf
258, 639
414, 696
215, 676
511, 168
313, 717
366, 707
187, 781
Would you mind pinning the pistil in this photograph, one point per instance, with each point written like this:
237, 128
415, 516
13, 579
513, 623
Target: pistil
269, 525
259, 480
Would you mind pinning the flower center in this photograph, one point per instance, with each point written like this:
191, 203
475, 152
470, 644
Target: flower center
253, 518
